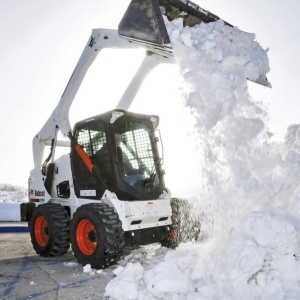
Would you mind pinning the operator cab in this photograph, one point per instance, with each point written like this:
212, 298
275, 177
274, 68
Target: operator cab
123, 146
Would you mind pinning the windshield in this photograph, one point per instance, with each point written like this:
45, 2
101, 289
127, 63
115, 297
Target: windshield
137, 156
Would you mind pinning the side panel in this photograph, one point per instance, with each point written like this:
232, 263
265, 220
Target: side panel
62, 173
62, 190
36, 187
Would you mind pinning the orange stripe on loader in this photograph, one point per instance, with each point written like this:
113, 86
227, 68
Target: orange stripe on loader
86, 159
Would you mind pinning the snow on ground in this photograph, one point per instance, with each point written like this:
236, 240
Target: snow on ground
12, 193
245, 184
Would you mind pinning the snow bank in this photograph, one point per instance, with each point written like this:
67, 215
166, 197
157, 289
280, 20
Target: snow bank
10, 199
11, 193
245, 185
10, 212
260, 261
126, 284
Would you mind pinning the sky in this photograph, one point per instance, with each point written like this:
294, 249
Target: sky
41, 41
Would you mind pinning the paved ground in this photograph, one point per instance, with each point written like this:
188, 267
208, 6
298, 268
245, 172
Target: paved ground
24, 275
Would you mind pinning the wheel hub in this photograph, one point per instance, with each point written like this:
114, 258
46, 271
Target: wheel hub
46, 230
92, 236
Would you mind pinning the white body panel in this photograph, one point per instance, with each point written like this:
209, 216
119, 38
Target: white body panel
36, 187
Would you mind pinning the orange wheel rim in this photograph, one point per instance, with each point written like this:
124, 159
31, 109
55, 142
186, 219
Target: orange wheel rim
172, 236
41, 231
86, 237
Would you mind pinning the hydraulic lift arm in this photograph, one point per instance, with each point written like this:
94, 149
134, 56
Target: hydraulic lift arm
59, 119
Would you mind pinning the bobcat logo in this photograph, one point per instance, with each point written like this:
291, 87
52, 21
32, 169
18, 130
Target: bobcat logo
39, 193
92, 42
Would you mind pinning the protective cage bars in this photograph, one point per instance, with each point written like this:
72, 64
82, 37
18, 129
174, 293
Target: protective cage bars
137, 142
91, 138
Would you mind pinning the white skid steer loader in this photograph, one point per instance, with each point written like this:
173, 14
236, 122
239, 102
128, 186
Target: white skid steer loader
109, 190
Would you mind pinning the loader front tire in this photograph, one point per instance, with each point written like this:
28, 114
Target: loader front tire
96, 235
50, 230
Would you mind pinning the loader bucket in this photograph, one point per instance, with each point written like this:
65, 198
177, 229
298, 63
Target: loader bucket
143, 23
143, 19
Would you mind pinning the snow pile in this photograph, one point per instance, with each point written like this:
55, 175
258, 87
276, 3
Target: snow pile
12, 193
245, 184
10, 198
10, 211
260, 261
126, 284
88, 270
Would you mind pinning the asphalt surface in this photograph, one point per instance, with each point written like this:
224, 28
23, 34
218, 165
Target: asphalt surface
25, 275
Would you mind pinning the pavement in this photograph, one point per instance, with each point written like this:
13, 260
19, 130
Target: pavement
25, 275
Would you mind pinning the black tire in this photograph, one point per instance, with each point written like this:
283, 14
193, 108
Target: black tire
50, 230
185, 225
96, 235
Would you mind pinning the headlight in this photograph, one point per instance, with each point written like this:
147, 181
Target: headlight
155, 121
115, 115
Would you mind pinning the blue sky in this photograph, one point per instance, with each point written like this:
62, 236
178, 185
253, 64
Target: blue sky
41, 41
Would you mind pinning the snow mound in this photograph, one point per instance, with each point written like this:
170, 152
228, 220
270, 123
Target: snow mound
12, 193
261, 261
125, 285
10, 198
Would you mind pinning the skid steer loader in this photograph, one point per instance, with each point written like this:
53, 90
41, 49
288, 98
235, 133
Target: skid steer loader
109, 190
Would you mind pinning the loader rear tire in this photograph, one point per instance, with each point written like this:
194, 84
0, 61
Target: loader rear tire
96, 235
185, 225
50, 230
